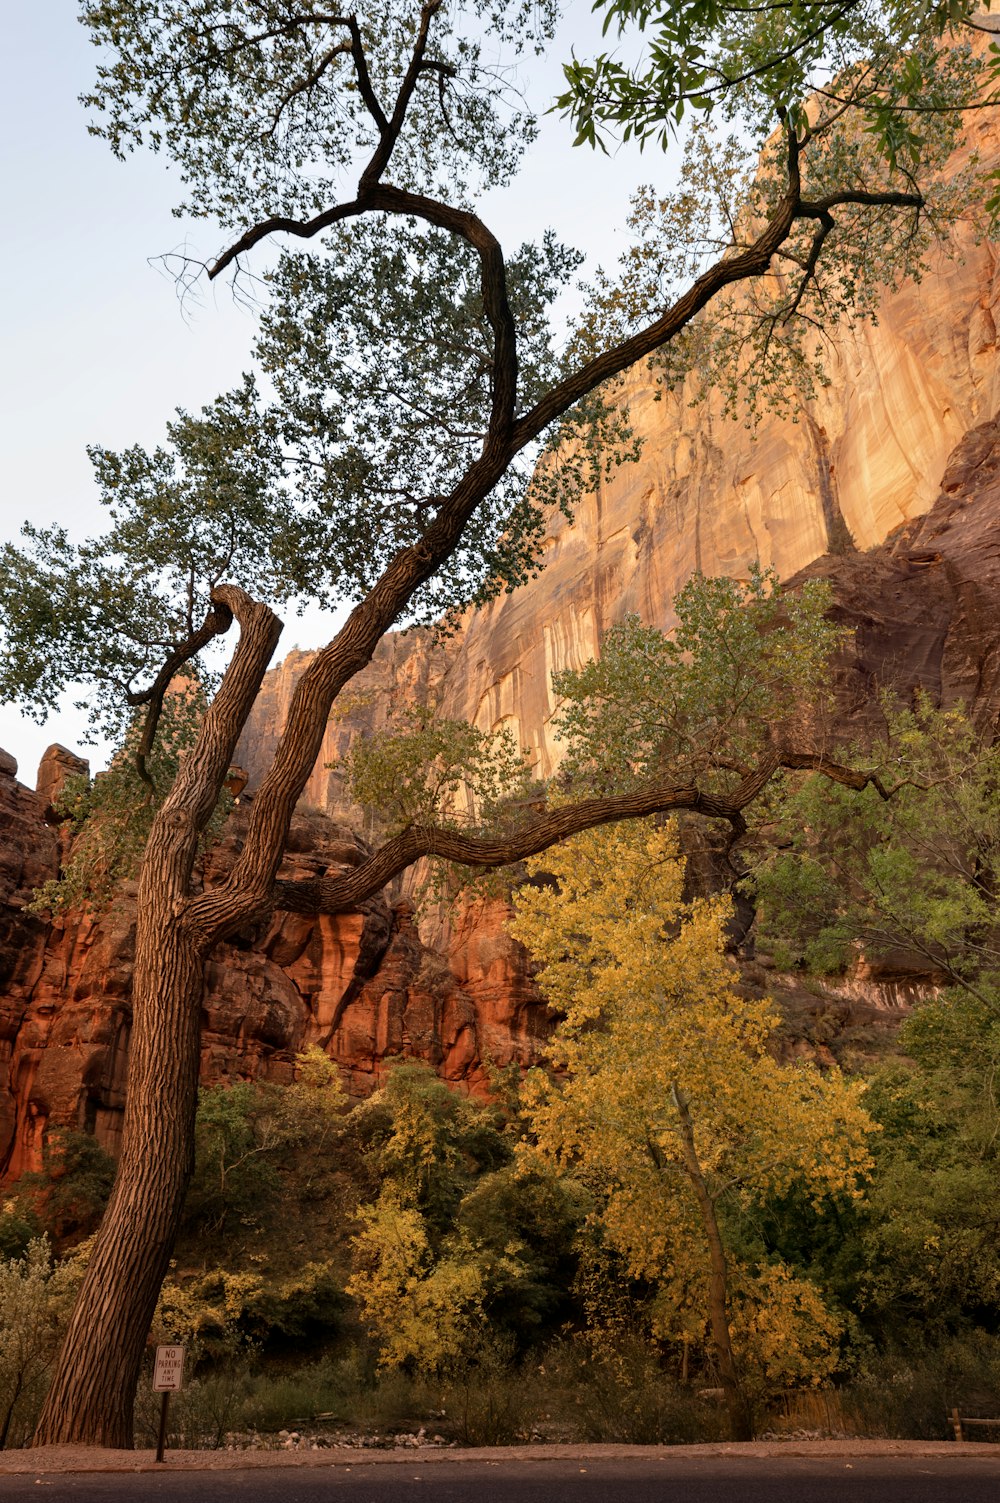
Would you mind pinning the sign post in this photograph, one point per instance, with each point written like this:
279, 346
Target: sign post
168, 1375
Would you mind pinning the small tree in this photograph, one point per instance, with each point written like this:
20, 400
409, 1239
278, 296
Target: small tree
419, 1308
413, 379
930, 1232
69, 1193
672, 1105
420, 1285
916, 873
458, 1249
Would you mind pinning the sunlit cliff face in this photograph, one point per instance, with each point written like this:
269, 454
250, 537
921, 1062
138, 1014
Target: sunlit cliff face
925, 611
846, 470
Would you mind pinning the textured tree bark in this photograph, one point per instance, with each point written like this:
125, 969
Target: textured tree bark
90, 1400
740, 1419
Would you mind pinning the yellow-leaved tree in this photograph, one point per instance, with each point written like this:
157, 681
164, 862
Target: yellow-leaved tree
670, 1104
420, 1282
420, 1308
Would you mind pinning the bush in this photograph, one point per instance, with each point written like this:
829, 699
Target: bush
612, 1389
230, 1396
35, 1300
908, 1396
203, 1413
19, 1226
491, 1400
243, 1396
71, 1190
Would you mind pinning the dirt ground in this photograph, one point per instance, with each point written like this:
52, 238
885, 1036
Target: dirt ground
49, 1459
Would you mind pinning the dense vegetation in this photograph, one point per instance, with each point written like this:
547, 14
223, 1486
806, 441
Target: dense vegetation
408, 1255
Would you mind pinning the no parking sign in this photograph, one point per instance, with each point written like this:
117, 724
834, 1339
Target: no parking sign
168, 1369
168, 1378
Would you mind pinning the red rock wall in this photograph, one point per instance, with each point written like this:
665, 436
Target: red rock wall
924, 609
363, 986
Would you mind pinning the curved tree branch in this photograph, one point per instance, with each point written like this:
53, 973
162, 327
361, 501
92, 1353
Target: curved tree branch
365, 87
281, 224
344, 893
388, 130
216, 624
467, 226
201, 773
249, 890
729, 269
389, 133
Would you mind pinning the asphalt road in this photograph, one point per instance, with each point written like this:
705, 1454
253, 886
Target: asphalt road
663, 1480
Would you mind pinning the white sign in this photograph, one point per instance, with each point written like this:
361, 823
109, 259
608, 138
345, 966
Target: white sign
168, 1369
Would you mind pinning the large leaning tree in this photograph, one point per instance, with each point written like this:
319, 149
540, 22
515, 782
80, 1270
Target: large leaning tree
408, 380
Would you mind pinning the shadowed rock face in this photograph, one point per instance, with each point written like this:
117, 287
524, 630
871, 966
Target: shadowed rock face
27, 859
925, 606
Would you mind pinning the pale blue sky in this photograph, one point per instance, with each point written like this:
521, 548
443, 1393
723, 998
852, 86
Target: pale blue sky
96, 346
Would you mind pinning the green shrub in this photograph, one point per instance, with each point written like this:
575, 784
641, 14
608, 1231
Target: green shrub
19, 1225
36, 1296
490, 1399
613, 1389
69, 1193
909, 1396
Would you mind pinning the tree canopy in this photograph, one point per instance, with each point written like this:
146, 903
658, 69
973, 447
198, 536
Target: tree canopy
911, 876
408, 347
753, 64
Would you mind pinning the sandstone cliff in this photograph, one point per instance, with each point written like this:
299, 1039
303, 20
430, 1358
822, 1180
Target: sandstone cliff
864, 458
861, 459
408, 667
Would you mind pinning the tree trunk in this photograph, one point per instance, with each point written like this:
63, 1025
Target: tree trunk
740, 1419
11, 1406
90, 1400
91, 1397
